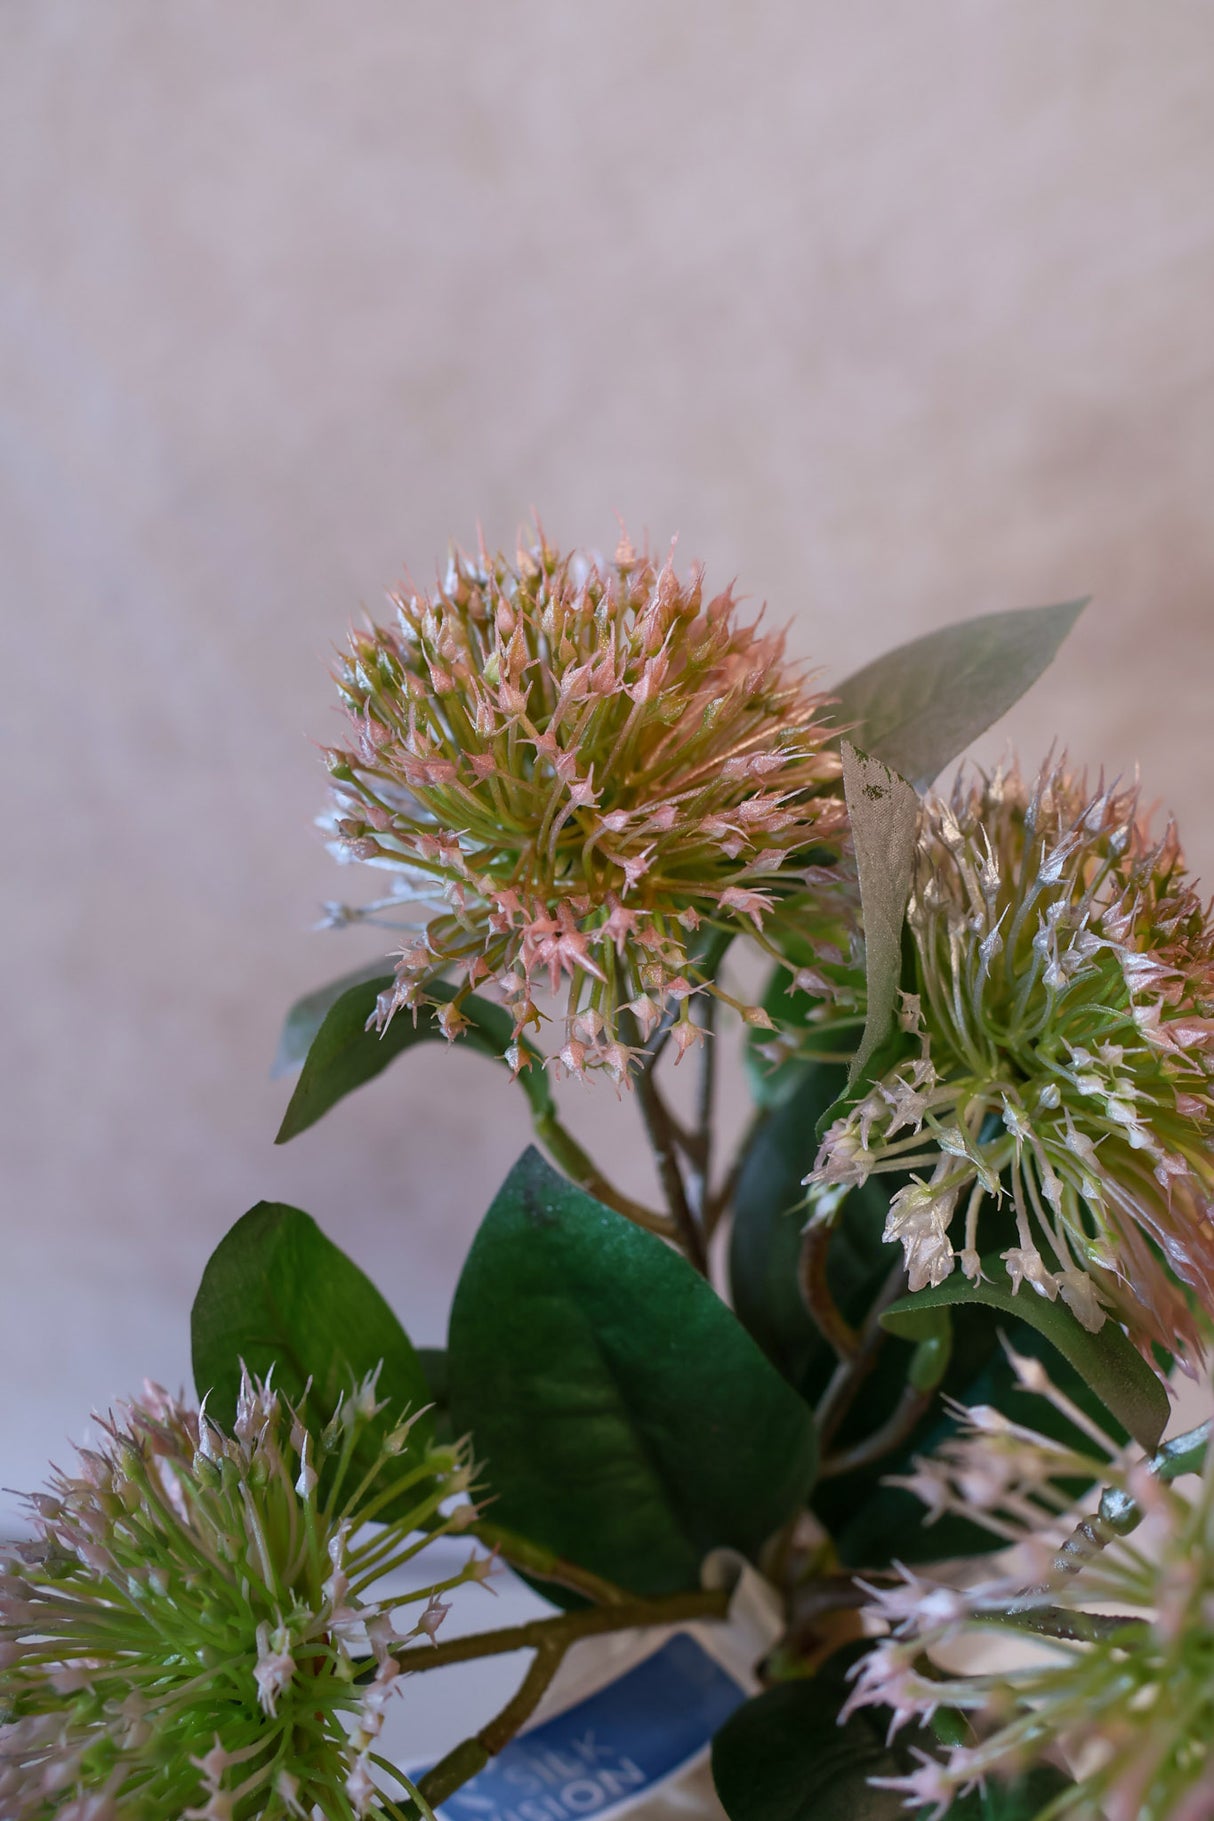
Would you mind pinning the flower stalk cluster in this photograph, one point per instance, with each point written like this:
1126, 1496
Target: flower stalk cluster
581, 774
196, 1630
1062, 1048
1124, 1697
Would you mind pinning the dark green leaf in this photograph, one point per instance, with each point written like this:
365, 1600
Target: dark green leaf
784, 1757
433, 1362
1107, 1361
345, 1053
277, 1294
884, 813
919, 706
625, 1417
308, 1014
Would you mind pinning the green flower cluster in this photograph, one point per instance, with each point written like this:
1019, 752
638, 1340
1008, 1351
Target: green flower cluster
1113, 1664
1061, 1039
195, 1630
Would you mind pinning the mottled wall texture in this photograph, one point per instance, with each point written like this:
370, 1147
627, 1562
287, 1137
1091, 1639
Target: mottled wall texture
896, 313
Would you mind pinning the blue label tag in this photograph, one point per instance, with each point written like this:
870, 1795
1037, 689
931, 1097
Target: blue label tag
609, 1748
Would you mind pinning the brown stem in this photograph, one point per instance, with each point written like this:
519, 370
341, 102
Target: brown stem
550, 1639
662, 1142
472, 1755
567, 1628
850, 1374
816, 1293
894, 1430
720, 1203
697, 1144
820, 1599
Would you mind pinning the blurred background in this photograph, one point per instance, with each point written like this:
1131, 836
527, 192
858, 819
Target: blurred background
896, 314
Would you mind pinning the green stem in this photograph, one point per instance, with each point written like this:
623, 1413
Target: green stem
470, 1757
550, 1639
1068, 1626
567, 1628
545, 1565
697, 1144
581, 1169
1117, 1513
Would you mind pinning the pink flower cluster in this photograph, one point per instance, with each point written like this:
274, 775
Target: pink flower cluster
582, 774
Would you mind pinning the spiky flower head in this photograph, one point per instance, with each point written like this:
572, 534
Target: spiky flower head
1124, 1696
195, 1630
578, 771
1064, 1028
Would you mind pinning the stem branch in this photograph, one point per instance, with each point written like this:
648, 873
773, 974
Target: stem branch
545, 1565
472, 1755
850, 1374
883, 1440
816, 1292
549, 1639
697, 1144
581, 1169
566, 1628
660, 1133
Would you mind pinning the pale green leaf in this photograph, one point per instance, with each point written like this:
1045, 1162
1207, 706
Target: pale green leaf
919, 706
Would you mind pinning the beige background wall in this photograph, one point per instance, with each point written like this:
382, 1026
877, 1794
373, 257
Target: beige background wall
899, 313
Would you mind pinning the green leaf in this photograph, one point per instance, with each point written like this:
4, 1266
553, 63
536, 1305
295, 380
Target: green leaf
308, 1014
784, 1757
345, 1054
884, 814
1107, 1361
624, 1416
433, 1362
919, 706
277, 1294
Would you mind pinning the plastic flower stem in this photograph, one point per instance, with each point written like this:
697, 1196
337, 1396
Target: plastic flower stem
721, 1200
816, 1295
535, 1559
1117, 1513
820, 1598
911, 1406
1069, 1626
581, 1169
697, 1144
470, 1757
567, 1628
850, 1374
660, 1132
1183, 1454
549, 1639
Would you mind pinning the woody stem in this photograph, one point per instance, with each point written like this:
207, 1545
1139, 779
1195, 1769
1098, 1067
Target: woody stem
549, 1639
